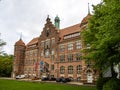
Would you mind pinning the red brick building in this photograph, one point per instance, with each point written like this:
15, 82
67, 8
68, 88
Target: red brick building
55, 53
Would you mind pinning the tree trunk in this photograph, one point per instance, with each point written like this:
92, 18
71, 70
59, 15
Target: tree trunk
114, 74
100, 73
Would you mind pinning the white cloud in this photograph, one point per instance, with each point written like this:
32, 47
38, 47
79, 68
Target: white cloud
29, 17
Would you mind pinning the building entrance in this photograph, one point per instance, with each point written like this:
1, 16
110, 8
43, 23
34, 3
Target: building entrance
89, 77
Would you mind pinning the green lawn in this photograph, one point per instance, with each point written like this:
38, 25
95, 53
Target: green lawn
22, 85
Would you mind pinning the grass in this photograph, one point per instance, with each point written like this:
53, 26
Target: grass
22, 85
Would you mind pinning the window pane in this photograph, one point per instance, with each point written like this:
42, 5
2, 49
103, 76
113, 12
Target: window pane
52, 57
53, 41
42, 53
62, 70
47, 53
62, 58
70, 69
70, 57
62, 48
52, 51
70, 46
78, 44
42, 43
78, 56
79, 69
47, 43
52, 67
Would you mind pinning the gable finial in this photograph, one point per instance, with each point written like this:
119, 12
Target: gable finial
48, 16
48, 19
21, 35
88, 9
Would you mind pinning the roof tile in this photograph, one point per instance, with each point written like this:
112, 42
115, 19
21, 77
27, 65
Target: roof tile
20, 43
69, 30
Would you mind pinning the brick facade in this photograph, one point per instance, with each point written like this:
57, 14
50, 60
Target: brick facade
55, 53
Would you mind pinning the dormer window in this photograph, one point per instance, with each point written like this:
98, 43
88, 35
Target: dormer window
72, 35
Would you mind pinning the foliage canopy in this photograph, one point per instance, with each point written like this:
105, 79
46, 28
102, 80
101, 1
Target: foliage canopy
103, 35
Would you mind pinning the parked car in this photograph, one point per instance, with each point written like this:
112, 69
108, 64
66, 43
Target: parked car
20, 76
52, 79
61, 79
58, 79
68, 79
64, 80
44, 78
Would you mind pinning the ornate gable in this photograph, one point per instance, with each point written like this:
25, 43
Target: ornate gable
49, 30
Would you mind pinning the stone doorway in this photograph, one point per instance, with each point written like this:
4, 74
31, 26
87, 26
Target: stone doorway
89, 76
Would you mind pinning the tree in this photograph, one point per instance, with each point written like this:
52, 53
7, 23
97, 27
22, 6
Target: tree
6, 63
2, 43
103, 35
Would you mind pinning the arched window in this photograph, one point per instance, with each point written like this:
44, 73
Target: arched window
70, 69
62, 70
79, 69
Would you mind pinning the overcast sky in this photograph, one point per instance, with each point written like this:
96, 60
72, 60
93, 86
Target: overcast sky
29, 17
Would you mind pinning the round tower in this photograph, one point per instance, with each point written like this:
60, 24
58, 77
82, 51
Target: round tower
19, 56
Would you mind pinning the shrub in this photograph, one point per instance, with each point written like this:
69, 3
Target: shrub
101, 82
112, 84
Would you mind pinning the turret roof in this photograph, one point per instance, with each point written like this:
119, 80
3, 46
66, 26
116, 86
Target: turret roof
20, 43
57, 17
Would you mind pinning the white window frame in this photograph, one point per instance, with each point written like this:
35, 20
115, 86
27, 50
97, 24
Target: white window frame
70, 46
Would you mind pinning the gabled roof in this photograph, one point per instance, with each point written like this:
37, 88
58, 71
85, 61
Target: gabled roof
69, 30
20, 43
33, 41
66, 31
